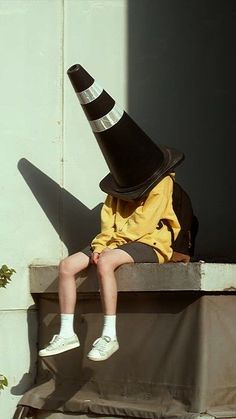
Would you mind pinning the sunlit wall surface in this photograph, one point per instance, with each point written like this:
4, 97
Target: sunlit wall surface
50, 162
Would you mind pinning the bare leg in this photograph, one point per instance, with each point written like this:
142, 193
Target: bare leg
107, 344
108, 261
67, 339
68, 268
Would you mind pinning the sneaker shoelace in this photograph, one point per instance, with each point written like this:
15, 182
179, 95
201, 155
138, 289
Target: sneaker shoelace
100, 344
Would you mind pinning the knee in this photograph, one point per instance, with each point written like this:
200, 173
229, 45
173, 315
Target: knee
64, 269
105, 264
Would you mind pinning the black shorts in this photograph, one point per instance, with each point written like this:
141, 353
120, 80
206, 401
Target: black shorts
140, 252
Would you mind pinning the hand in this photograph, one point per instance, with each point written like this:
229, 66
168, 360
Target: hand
180, 257
94, 258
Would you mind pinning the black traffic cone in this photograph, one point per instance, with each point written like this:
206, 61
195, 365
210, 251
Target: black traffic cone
136, 163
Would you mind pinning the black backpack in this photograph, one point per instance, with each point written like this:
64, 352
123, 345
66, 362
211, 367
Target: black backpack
182, 206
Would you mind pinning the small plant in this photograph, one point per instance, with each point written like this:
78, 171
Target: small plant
5, 275
5, 278
3, 382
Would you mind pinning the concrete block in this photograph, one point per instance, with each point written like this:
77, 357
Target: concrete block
209, 277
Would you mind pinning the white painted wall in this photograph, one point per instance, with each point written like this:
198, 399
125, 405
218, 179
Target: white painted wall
95, 37
42, 122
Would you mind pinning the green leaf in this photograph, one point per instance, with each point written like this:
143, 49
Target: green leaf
5, 275
3, 382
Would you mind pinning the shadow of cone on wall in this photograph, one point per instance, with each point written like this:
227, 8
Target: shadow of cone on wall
75, 224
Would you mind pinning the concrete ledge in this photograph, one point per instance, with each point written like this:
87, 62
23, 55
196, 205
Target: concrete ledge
146, 277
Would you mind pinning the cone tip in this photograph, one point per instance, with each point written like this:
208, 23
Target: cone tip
73, 68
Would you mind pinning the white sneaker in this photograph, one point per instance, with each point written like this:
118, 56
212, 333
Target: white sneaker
103, 348
59, 344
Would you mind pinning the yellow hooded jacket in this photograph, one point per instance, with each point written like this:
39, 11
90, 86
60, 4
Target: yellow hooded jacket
151, 221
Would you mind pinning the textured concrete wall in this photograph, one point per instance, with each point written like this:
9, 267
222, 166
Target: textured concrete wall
50, 162
31, 121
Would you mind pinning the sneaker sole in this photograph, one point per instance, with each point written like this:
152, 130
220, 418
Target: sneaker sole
104, 357
59, 351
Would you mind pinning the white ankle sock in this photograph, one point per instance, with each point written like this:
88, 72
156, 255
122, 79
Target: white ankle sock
109, 327
67, 325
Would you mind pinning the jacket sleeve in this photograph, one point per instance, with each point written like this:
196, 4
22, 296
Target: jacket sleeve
107, 225
146, 217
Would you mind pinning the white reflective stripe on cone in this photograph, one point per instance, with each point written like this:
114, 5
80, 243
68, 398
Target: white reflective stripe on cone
90, 94
108, 120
